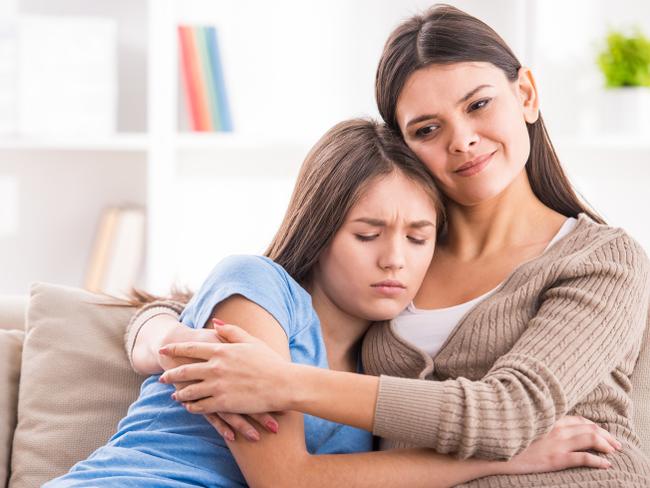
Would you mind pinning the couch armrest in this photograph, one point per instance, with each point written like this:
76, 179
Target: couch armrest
12, 311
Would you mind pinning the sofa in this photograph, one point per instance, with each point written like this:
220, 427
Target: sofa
66, 381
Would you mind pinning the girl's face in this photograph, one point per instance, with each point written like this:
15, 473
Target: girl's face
467, 123
377, 260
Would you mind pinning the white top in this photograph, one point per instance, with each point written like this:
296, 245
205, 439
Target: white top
429, 329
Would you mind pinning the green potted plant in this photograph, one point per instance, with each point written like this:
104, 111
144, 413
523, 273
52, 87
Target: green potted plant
624, 61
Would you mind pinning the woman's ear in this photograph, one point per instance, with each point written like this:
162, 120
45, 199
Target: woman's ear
527, 90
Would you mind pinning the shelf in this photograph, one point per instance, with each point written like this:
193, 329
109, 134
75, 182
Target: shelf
230, 140
121, 142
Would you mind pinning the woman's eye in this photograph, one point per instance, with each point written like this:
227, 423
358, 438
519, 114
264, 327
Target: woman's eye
417, 241
366, 238
479, 104
427, 130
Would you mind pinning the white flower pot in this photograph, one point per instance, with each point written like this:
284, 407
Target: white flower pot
626, 111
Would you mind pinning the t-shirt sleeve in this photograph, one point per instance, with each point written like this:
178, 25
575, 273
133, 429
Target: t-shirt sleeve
256, 278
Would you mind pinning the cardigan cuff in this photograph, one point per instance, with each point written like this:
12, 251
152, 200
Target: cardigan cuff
145, 314
400, 401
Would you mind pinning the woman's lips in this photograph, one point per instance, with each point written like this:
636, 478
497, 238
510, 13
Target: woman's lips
475, 166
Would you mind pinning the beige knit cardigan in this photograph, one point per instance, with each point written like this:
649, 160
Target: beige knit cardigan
560, 336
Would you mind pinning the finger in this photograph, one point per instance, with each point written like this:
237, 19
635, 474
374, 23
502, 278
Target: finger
593, 429
187, 372
220, 426
266, 420
578, 459
240, 424
591, 441
199, 350
231, 333
193, 392
183, 384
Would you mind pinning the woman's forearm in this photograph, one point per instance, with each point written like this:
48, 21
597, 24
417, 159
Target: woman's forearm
311, 391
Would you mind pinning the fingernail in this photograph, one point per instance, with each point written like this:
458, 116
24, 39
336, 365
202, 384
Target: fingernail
272, 426
252, 435
229, 436
218, 322
162, 379
619, 445
174, 397
163, 350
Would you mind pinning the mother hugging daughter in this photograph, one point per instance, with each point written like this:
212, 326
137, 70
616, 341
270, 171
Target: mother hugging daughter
510, 347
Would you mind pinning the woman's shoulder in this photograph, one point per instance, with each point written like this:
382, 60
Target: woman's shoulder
591, 242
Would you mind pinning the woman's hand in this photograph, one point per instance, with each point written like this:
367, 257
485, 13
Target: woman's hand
565, 447
198, 400
184, 334
245, 376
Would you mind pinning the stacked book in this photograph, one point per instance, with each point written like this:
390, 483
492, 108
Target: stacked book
202, 73
117, 257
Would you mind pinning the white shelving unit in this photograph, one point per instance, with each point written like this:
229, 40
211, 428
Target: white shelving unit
208, 195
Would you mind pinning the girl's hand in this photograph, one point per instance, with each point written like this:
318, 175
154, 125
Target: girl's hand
565, 447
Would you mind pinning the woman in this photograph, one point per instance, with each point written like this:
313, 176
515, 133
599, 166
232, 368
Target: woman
299, 303
531, 308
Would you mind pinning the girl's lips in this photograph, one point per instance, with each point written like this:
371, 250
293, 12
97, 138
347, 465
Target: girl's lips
389, 291
475, 166
389, 288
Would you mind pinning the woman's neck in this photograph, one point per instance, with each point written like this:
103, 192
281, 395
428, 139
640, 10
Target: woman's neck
515, 217
341, 331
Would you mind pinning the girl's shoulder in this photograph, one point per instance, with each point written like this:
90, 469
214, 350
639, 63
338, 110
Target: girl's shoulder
258, 279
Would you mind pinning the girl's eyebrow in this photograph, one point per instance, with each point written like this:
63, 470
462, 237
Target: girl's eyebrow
416, 224
466, 97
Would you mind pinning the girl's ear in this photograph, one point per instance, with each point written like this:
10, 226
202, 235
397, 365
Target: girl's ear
527, 90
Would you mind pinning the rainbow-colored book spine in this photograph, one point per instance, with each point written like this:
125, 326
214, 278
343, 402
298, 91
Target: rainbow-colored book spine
204, 81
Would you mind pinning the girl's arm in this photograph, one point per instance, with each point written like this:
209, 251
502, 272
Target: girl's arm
550, 369
282, 459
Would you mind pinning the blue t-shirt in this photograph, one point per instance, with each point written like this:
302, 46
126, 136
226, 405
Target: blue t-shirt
160, 444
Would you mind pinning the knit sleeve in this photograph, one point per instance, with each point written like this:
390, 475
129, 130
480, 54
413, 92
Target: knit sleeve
143, 315
586, 323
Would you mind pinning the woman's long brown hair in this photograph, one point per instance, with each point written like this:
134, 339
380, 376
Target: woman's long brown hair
334, 175
446, 35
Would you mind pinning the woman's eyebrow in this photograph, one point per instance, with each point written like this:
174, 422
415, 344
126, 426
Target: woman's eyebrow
466, 97
416, 224
472, 93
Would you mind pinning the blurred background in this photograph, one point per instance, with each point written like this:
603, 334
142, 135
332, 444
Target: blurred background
142, 141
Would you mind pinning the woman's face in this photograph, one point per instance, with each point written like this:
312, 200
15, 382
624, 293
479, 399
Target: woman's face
377, 260
467, 123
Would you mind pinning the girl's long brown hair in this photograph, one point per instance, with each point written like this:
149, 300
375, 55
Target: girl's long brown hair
446, 35
334, 175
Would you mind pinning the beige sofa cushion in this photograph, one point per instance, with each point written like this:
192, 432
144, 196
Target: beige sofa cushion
76, 382
641, 392
11, 345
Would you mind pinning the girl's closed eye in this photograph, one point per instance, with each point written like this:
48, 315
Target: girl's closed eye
416, 240
366, 237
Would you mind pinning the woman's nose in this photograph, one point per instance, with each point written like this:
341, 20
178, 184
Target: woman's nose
463, 138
